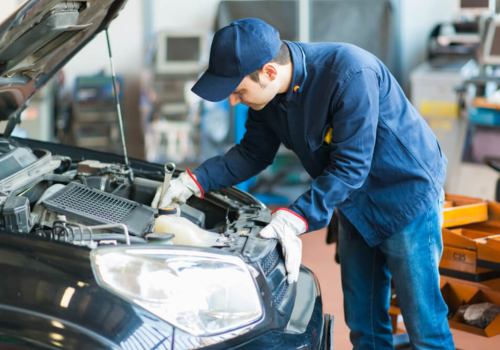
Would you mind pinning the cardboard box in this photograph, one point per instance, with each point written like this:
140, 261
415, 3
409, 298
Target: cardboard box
456, 295
461, 210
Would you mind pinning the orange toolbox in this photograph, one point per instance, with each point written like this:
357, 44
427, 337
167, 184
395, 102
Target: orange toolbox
458, 293
471, 238
462, 210
470, 255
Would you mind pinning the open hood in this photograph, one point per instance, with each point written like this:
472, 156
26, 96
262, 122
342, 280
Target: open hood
39, 38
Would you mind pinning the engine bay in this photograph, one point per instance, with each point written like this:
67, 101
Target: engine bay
92, 203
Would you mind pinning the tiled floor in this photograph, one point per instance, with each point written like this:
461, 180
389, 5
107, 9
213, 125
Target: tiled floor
319, 258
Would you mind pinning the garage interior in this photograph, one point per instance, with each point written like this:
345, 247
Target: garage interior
444, 54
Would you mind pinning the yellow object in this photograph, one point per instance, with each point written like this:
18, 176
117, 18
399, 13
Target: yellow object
328, 137
439, 109
465, 215
436, 124
20, 194
465, 210
168, 208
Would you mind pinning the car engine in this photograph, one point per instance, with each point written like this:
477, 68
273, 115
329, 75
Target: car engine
92, 203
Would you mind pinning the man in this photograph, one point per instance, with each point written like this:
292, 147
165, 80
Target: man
370, 154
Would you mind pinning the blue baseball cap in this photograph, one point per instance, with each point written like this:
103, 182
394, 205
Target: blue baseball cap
237, 50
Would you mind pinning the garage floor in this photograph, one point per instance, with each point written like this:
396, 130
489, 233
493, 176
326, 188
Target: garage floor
319, 257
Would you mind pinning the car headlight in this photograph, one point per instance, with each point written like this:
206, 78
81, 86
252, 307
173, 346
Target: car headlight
199, 292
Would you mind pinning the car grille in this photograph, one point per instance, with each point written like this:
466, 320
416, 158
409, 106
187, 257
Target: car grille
280, 293
270, 262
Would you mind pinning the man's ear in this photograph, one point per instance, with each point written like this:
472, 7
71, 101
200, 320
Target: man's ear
270, 71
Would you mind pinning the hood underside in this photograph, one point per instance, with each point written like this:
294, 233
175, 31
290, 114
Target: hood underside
39, 38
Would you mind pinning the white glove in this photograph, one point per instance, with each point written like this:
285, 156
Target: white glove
285, 226
179, 191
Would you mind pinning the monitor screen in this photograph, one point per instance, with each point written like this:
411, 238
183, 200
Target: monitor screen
495, 44
465, 4
183, 49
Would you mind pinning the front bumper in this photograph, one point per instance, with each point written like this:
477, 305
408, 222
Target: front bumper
49, 298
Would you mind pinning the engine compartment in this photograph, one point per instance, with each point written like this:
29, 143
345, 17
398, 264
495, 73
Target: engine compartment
92, 203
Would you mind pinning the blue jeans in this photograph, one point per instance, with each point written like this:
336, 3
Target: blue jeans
411, 257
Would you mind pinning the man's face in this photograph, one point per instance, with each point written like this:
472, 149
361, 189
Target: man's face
254, 95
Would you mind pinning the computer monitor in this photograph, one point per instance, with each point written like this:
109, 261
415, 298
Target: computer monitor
491, 45
181, 52
476, 7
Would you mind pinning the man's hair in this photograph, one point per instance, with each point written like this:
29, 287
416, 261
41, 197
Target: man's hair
283, 57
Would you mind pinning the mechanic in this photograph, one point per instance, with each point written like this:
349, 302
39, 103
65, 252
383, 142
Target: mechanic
370, 154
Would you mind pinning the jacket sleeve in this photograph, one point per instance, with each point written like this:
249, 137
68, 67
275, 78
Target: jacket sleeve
256, 151
355, 119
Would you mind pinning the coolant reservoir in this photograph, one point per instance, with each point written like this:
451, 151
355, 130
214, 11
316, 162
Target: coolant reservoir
186, 233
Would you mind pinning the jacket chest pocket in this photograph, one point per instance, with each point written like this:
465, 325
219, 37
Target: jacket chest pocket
321, 140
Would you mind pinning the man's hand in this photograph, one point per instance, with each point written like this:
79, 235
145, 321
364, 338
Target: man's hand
285, 226
179, 191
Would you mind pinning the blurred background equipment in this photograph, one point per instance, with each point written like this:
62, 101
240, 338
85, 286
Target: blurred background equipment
450, 90
181, 52
491, 46
434, 93
94, 116
171, 112
476, 8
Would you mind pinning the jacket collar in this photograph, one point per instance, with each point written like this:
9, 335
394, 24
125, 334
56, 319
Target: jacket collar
299, 75
294, 92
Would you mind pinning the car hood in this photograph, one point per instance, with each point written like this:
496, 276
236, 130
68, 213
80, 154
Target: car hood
39, 38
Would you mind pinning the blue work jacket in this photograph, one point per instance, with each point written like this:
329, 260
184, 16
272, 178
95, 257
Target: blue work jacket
368, 150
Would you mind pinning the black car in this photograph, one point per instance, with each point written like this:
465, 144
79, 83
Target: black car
80, 267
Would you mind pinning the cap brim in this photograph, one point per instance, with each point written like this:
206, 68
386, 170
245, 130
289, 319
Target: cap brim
214, 88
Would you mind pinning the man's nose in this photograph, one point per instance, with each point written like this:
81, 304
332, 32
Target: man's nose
234, 100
